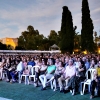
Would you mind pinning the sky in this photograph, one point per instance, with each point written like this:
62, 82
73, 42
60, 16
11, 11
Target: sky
43, 15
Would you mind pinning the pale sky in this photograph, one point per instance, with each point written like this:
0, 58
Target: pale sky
43, 15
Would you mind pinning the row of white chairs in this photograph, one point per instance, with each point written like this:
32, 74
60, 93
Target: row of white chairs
27, 77
89, 78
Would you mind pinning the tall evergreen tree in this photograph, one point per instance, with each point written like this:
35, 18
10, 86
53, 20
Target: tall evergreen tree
87, 28
67, 31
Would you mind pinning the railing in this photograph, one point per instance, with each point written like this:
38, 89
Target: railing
28, 51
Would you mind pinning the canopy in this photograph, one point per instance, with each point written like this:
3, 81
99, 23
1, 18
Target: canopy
54, 47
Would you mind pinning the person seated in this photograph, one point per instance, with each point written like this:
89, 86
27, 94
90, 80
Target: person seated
20, 69
93, 64
49, 73
57, 62
69, 72
31, 62
95, 84
80, 77
58, 72
26, 71
2, 64
40, 69
7, 68
14, 74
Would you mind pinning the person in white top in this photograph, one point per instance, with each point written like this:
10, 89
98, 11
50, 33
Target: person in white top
70, 71
20, 68
57, 62
40, 69
1, 70
77, 62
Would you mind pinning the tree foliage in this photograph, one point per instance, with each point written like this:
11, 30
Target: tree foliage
77, 43
32, 40
53, 38
67, 31
87, 28
3, 46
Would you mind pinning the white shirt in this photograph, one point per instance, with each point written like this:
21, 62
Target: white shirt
70, 71
20, 66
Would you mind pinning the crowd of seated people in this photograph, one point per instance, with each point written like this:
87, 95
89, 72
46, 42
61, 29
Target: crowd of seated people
62, 72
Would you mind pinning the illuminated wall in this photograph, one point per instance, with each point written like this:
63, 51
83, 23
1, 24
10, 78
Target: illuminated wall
10, 41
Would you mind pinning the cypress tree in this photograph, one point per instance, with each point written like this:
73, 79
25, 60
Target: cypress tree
87, 28
67, 31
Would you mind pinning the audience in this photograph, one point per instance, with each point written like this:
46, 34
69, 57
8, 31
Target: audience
62, 71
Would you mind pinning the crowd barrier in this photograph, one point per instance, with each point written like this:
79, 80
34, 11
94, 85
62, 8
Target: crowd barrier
2, 52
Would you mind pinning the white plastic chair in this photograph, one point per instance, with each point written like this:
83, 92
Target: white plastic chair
26, 75
4, 75
26, 78
32, 74
88, 80
29, 67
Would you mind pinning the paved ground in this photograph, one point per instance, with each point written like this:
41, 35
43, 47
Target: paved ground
16, 91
